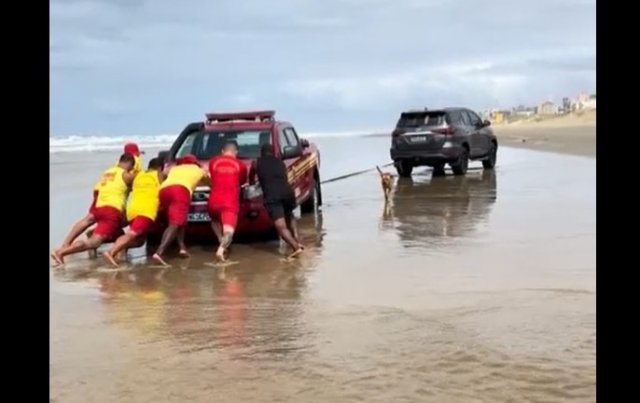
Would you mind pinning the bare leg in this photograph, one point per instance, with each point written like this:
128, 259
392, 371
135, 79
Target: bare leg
292, 225
285, 234
227, 237
183, 246
168, 236
216, 227
120, 245
78, 228
79, 246
93, 253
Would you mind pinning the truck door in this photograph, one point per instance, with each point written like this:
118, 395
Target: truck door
287, 137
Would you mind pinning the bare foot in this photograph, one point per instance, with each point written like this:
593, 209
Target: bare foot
220, 255
159, 259
109, 258
296, 253
57, 259
183, 253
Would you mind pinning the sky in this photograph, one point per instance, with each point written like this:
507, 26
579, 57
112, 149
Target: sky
125, 67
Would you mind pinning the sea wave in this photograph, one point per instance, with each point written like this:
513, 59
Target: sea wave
61, 144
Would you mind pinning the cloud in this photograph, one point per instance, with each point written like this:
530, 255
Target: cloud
325, 65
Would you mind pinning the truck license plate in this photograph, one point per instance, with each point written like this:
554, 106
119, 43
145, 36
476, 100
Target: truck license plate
199, 217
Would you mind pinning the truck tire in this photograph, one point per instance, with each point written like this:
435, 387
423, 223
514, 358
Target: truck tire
404, 168
315, 199
462, 164
492, 157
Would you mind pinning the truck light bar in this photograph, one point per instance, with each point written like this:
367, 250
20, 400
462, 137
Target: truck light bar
257, 116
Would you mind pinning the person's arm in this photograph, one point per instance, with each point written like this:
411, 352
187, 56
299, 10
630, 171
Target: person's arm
244, 175
128, 177
253, 172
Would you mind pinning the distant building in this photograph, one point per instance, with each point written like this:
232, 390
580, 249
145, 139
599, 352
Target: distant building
589, 104
547, 108
566, 105
522, 110
498, 116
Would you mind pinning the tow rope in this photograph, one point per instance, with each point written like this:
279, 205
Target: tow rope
349, 175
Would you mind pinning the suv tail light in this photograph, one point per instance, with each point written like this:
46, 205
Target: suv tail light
396, 133
447, 131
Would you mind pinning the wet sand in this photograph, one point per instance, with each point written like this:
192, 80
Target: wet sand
476, 289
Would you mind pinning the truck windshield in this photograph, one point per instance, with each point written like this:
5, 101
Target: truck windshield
206, 144
416, 119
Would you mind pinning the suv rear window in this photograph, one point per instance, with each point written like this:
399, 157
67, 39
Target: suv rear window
416, 119
205, 144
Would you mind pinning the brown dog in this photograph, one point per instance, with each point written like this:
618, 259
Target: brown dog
386, 180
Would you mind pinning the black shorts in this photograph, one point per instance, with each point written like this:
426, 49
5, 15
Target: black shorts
282, 208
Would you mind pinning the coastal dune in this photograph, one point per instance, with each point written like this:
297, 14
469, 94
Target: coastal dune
573, 134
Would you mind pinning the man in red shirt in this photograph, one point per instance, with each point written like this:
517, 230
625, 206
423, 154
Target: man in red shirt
227, 175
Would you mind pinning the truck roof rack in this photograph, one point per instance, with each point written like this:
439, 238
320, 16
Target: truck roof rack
249, 116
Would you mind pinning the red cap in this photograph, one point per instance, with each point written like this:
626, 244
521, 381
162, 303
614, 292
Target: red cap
132, 148
187, 159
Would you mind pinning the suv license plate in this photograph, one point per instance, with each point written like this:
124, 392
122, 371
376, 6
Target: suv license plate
418, 139
198, 217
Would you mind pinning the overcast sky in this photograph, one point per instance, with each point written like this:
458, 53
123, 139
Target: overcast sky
128, 67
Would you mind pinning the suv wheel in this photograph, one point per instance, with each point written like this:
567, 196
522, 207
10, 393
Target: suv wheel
490, 162
462, 164
404, 169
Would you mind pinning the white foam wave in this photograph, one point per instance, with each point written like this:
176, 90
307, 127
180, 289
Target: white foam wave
106, 143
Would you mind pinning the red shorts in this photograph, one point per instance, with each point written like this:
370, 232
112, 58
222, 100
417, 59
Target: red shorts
140, 225
225, 215
108, 220
175, 201
92, 207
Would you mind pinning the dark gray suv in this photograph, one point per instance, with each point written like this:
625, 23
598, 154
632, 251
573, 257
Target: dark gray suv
437, 137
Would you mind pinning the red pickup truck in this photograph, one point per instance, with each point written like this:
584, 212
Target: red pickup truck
250, 130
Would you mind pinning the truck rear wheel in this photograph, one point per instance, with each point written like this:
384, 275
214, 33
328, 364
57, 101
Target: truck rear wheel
315, 199
404, 168
462, 164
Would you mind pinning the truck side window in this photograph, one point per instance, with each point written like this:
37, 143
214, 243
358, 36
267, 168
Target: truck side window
292, 137
282, 140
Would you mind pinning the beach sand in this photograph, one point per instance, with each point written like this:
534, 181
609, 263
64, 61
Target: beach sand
573, 134
465, 289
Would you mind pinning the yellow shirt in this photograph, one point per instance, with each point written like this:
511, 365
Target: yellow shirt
137, 167
143, 200
187, 175
112, 189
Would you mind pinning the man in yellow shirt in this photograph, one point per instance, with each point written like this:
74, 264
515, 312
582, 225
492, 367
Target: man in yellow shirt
142, 210
112, 196
175, 198
87, 221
